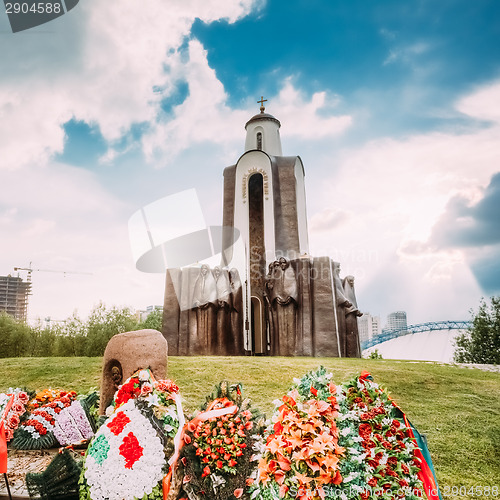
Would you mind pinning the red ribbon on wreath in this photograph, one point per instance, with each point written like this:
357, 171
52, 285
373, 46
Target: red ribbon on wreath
3, 439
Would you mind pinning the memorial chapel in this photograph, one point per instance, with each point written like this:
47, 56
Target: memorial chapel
268, 296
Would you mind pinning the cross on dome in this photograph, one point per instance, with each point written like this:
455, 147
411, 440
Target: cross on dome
262, 101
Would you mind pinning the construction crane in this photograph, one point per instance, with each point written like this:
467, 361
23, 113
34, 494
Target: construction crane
31, 270
22, 298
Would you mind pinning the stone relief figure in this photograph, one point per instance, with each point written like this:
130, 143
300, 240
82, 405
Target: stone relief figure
116, 375
236, 311
205, 304
283, 297
341, 302
352, 347
223, 287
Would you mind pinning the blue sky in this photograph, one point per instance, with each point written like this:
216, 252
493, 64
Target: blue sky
393, 106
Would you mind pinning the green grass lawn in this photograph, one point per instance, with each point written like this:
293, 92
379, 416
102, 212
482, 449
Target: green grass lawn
457, 408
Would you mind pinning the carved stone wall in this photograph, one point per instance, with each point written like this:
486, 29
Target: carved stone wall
202, 313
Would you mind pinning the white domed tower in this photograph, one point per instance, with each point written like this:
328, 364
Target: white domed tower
264, 199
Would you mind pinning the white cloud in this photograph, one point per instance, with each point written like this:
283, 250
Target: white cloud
61, 219
328, 219
204, 116
395, 192
109, 59
100, 63
482, 104
407, 54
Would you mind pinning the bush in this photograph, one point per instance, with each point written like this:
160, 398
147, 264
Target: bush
74, 337
375, 355
481, 342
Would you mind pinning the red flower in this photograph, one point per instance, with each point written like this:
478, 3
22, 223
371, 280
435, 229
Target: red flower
206, 471
23, 397
332, 400
118, 423
166, 386
219, 464
18, 407
365, 430
187, 439
372, 482
238, 492
314, 391
13, 420
131, 450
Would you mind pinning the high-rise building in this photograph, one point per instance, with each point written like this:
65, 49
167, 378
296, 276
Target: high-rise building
144, 314
14, 294
396, 321
369, 326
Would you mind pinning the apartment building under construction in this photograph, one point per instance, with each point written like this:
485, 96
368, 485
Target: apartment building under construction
14, 294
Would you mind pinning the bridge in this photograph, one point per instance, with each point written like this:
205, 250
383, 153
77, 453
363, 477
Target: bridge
422, 327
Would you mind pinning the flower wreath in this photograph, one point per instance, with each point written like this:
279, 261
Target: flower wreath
344, 442
219, 446
302, 453
17, 409
127, 459
76, 422
391, 466
37, 431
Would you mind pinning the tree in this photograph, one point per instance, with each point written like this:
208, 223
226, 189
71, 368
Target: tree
481, 342
103, 323
14, 336
154, 320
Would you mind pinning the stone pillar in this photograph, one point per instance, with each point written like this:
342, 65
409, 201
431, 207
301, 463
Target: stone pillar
325, 326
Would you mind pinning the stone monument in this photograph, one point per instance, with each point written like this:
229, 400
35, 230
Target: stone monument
125, 354
274, 298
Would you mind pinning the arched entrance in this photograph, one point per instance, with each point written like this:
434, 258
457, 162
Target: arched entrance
259, 342
257, 262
